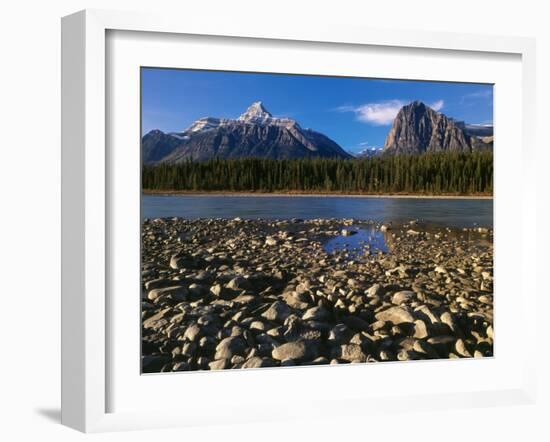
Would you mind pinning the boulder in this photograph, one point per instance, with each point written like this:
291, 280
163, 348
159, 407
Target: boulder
340, 333
228, 347
177, 293
420, 329
403, 297
297, 350
278, 311
192, 332
258, 362
460, 348
219, 364
374, 291
238, 283
356, 323
350, 353
158, 283
395, 315
316, 314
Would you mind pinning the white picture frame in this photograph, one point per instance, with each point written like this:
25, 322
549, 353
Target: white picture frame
86, 203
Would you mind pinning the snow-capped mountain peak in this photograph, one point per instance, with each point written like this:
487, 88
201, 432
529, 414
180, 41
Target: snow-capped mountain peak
256, 133
256, 112
205, 123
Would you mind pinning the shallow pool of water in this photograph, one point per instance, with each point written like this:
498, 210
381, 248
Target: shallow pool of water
365, 240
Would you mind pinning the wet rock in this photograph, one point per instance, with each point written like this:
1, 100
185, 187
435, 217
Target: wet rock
348, 232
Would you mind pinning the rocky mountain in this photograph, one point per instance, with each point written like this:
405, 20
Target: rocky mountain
417, 128
155, 145
256, 133
368, 152
479, 130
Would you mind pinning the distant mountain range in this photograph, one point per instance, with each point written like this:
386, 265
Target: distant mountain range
368, 152
256, 133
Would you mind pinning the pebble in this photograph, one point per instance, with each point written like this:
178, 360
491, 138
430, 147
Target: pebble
220, 294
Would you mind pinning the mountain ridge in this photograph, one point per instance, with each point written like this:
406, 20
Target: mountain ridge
255, 133
418, 128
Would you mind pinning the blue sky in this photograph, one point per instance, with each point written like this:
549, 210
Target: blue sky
354, 112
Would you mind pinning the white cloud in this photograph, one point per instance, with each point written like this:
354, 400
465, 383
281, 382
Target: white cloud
380, 114
384, 112
437, 105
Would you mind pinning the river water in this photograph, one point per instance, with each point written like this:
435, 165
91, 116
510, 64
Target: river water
440, 212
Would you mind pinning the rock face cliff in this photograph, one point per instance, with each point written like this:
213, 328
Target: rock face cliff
256, 133
418, 128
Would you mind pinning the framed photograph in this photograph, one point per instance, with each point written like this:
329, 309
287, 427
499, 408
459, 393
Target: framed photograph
256, 216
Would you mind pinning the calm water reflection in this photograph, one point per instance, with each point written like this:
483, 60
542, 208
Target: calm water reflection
444, 212
367, 238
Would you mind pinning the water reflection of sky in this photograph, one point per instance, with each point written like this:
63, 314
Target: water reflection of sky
444, 212
365, 239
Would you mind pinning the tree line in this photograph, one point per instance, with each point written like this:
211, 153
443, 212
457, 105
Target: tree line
440, 173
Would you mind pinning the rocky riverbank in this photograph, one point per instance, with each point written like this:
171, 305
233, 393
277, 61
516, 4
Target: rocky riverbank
221, 294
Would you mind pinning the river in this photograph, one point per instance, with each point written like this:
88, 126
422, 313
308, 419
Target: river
451, 212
